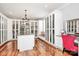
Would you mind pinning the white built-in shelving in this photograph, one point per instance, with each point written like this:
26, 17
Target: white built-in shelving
3, 29
49, 28
24, 27
72, 26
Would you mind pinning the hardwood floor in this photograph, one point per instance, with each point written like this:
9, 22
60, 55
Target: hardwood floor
36, 53
28, 53
40, 49
9, 49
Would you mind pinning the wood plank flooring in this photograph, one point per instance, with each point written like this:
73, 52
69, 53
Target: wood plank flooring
36, 53
43, 48
10, 49
28, 53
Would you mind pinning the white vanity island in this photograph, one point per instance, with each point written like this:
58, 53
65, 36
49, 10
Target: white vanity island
25, 42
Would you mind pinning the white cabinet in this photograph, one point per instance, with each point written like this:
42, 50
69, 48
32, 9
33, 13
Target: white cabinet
59, 42
72, 26
22, 27
3, 29
77, 26
34, 27
15, 29
25, 42
53, 27
49, 28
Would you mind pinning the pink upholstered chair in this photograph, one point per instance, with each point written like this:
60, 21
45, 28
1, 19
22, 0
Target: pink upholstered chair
68, 43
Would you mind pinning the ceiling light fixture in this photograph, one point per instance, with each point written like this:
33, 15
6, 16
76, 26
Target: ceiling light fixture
25, 16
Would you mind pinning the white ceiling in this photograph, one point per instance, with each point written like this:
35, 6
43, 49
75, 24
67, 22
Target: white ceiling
34, 10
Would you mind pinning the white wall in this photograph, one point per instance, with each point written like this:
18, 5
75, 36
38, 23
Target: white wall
71, 11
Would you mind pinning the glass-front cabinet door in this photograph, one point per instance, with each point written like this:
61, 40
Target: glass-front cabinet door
3, 29
26, 28
13, 29
23, 27
73, 26
49, 28
34, 27
52, 28
77, 27
0, 29
52, 38
67, 26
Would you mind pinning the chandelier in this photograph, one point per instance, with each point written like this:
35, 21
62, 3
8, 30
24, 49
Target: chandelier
25, 16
